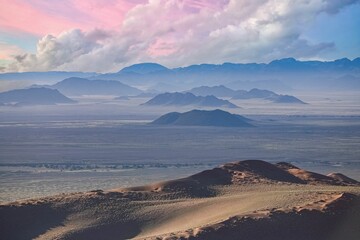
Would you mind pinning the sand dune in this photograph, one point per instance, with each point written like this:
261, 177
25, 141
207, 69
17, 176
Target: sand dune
249, 199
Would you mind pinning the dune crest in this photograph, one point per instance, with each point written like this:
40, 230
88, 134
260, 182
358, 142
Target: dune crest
249, 199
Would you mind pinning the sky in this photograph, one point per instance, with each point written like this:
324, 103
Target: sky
107, 35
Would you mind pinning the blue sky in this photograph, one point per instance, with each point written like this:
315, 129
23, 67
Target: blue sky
342, 28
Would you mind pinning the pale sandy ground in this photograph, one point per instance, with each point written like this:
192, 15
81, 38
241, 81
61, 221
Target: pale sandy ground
242, 200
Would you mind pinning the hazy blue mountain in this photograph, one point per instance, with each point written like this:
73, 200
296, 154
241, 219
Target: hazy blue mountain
212, 101
184, 99
281, 74
217, 118
34, 96
268, 95
254, 93
43, 76
284, 65
286, 99
217, 91
144, 68
151, 76
167, 119
80, 86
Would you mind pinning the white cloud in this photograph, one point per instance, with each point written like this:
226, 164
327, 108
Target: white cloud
176, 33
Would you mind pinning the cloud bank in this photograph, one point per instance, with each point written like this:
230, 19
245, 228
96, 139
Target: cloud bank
183, 32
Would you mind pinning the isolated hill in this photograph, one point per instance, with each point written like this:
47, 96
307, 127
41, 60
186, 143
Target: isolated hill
81, 86
286, 99
144, 68
185, 99
34, 96
217, 91
203, 118
266, 94
249, 199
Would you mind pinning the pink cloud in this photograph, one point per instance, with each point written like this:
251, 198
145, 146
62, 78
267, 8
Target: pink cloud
206, 4
162, 48
40, 17
53, 17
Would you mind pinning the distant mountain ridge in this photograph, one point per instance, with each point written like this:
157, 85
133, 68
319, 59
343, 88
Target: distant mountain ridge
34, 96
81, 86
216, 117
280, 74
267, 95
185, 99
222, 91
286, 64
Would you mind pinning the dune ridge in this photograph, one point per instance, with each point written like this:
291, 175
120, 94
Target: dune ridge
284, 223
249, 199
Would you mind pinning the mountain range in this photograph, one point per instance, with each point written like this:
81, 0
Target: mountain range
281, 74
186, 99
222, 91
267, 95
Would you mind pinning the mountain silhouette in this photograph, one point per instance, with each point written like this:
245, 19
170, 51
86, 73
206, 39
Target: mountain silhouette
268, 95
286, 99
144, 68
34, 96
81, 86
184, 99
216, 117
280, 74
254, 93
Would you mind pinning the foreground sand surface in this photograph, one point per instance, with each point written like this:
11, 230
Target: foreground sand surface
242, 200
